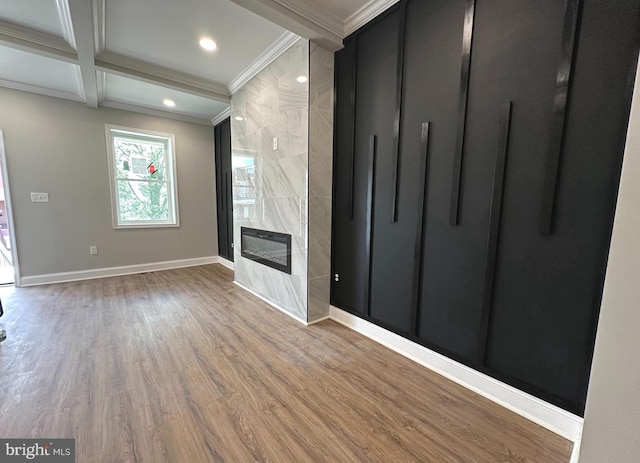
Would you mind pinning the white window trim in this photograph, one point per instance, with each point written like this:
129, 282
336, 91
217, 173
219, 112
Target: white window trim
113, 182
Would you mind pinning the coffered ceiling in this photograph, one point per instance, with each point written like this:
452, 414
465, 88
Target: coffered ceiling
133, 54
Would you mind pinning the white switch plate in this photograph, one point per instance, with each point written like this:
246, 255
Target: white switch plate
93, 250
39, 197
275, 143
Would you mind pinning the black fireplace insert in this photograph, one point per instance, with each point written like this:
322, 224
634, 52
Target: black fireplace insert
269, 248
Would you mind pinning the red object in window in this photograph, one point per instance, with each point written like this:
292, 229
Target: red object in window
152, 169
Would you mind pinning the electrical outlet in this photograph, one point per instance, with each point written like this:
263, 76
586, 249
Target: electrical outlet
39, 197
93, 250
275, 143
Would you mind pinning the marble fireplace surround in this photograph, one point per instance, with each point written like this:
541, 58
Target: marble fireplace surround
286, 189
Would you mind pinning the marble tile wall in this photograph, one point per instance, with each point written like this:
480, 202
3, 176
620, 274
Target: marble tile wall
271, 187
320, 174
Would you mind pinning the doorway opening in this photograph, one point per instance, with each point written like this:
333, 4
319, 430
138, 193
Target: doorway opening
8, 262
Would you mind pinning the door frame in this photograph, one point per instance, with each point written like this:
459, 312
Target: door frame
9, 211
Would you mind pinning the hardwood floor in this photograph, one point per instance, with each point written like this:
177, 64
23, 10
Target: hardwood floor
183, 366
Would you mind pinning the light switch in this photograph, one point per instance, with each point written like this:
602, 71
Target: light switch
39, 197
275, 143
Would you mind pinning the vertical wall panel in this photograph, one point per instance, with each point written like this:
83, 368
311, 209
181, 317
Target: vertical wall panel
350, 253
223, 189
548, 288
377, 109
453, 257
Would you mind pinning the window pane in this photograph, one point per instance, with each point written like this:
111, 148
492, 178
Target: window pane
143, 201
136, 159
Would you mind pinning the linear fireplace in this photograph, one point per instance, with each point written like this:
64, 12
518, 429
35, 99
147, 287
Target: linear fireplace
269, 248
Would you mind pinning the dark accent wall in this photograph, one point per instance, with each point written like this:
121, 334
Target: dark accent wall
478, 147
224, 196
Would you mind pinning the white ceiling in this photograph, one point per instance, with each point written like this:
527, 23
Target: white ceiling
19, 68
171, 30
129, 91
41, 15
132, 54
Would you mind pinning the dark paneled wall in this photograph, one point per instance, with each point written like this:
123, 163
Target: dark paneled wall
478, 146
224, 197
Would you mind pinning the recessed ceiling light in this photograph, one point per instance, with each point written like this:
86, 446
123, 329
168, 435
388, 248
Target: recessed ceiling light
208, 44
169, 103
302, 79
239, 118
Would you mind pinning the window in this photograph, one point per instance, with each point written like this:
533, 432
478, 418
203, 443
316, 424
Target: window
142, 178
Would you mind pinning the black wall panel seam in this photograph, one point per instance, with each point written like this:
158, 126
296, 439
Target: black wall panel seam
465, 74
558, 121
371, 171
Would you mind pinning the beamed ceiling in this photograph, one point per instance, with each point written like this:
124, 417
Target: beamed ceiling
133, 54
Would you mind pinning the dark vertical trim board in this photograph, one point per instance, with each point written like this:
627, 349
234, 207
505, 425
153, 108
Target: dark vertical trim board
465, 71
494, 229
563, 82
418, 258
373, 147
352, 100
398, 114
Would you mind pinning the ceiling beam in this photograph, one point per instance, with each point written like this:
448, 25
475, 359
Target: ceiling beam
132, 68
284, 14
81, 18
43, 44
40, 90
99, 25
154, 112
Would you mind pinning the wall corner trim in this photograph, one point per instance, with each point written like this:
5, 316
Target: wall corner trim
91, 274
540, 412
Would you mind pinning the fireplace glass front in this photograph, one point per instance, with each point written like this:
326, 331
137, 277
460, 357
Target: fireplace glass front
266, 247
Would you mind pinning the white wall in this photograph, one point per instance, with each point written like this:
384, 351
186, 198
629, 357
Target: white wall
58, 146
612, 416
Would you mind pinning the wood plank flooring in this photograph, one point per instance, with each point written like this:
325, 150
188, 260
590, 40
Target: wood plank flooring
183, 366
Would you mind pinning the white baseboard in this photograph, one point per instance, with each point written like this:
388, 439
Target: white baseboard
91, 274
549, 416
227, 263
271, 303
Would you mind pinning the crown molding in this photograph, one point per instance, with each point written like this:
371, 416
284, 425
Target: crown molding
286, 41
221, 117
298, 20
153, 112
316, 14
366, 14
64, 15
99, 25
125, 66
41, 43
41, 90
